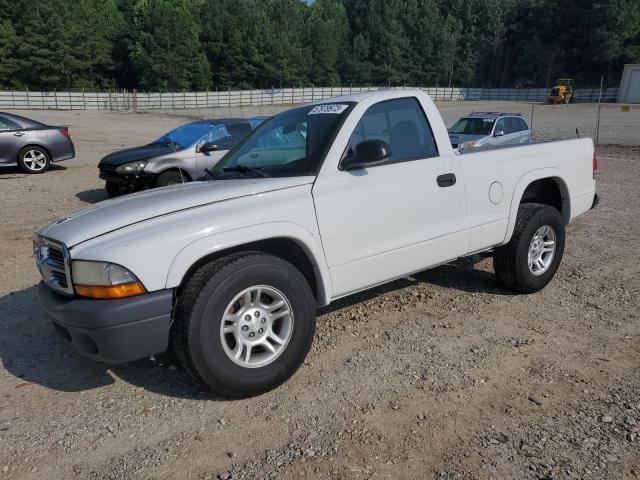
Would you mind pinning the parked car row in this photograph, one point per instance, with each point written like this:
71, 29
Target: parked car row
190, 151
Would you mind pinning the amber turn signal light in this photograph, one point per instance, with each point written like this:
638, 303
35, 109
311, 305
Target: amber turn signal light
115, 291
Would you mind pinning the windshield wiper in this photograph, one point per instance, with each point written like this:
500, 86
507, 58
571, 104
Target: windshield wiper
246, 169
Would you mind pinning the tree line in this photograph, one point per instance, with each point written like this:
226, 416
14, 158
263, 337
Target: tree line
154, 45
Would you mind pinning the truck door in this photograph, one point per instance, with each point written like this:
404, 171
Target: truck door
12, 138
397, 217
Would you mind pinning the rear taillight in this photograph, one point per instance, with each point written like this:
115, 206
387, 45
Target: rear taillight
65, 132
595, 165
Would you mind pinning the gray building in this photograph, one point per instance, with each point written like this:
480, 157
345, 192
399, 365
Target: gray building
629, 91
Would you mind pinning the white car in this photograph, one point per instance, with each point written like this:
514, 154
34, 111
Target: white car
318, 203
488, 129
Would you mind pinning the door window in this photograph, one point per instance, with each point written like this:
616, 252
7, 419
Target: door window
6, 124
401, 124
523, 125
501, 125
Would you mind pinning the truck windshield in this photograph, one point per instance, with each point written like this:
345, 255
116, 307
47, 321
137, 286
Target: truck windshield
292, 143
185, 135
473, 126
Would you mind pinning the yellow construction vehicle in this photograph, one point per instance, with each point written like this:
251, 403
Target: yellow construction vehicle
562, 91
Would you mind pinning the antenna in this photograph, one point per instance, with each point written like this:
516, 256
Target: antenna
173, 146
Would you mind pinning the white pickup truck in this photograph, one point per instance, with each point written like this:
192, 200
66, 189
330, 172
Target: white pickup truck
319, 202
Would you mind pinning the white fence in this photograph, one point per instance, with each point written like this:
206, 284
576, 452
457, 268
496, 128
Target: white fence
133, 100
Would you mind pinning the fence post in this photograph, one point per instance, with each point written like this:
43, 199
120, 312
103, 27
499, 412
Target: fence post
531, 122
84, 103
599, 109
26, 89
55, 98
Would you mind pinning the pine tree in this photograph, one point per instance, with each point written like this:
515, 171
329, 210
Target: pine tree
167, 52
8, 43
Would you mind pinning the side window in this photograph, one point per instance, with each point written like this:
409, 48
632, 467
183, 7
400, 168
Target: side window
6, 124
402, 124
523, 125
234, 133
501, 125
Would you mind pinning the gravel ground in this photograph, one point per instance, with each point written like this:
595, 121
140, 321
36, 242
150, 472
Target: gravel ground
442, 375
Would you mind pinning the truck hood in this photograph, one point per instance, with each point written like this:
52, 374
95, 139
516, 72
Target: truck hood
110, 215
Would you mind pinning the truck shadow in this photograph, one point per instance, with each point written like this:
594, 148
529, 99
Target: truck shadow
34, 353
459, 275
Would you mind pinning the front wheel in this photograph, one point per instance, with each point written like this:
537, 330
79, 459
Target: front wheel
169, 178
244, 323
34, 160
531, 258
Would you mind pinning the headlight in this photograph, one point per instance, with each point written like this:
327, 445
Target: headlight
104, 280
132, 167
469, 144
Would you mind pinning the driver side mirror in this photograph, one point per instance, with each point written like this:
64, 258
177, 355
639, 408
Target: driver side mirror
208, 147
499, 133
367, 153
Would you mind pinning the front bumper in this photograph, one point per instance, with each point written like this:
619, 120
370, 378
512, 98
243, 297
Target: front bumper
131, 180
112, 331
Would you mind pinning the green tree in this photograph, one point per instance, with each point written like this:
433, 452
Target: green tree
327, 32
232, 36
167, 53
8, 42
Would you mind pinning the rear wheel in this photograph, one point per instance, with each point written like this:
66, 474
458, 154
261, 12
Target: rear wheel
531, 258
169, 178
34, 159
244, 323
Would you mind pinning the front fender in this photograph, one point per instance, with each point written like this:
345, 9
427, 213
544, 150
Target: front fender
521, 186
206, 246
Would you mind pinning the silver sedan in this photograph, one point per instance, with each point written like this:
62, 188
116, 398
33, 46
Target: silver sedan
32, 145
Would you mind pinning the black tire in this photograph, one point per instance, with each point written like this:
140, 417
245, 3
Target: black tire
28, 165
201, 305
169, 178
510, 261
113, 189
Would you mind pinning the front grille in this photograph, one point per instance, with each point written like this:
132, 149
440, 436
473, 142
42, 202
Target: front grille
57, 257
52, 260
60, 278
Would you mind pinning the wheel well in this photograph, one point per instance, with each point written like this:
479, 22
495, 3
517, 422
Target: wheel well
185, 174
33, 145
548, 191
285, 248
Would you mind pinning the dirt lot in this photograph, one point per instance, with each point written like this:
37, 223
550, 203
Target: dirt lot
443, 375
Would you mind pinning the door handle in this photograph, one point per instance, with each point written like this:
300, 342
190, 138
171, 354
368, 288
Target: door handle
18, 134
446, 180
